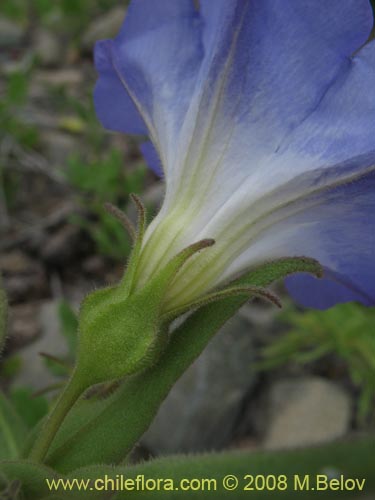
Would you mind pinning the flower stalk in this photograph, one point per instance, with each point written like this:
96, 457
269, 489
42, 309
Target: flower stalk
71, 393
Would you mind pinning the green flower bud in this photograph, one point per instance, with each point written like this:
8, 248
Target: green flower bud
118, 337
123, 329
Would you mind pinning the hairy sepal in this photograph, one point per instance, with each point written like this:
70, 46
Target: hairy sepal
123, 332
250, 292
105, 431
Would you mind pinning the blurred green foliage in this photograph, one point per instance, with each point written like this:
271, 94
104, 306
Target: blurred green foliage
30, 408
103, 181
10, 366
14, 9
346, 331
73, 15
14, 98
13, 431
20, 411
13, 129
97, 171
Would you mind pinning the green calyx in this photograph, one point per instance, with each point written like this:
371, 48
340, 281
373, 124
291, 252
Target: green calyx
134, 405
248, 285
235, 290
122, 330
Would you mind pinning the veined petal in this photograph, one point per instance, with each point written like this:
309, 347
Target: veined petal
344, 242
304, 217
152, 158
114, 107
334, 225
241, 130
260, 111
327, 292
155, 57
267, 66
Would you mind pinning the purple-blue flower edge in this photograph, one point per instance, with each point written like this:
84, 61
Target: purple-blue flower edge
301, 83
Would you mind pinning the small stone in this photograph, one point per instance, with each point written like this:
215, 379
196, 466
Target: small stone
202, 410
23, 277
21, 288
11, 34
58, 146
94, 265
34, 372
61, 246
16, 262
24, 325
106, 26
47, 48
305, 412
63, 77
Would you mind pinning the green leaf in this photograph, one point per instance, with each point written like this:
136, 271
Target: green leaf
17, 87
12, 430
353, 459
10, 366
346, 331
32, 477
134, 180
102, 179
112, 427
31, 409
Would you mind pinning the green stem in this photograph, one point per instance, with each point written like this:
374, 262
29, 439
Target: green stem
135, 403
68, 397
8, 437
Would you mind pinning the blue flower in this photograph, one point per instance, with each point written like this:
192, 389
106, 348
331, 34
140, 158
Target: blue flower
262, 116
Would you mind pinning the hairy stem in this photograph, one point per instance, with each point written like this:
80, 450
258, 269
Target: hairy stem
66, 400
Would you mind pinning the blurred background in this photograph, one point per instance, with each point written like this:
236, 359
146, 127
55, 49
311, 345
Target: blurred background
269, 379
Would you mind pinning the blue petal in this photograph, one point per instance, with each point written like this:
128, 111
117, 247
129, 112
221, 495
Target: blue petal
334, 225
113, 105
281, 56
262, 93
270, 68
152, 158
324, 214
340, 233
326, 292
144, 16
343, 123
155, 58
264, 65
